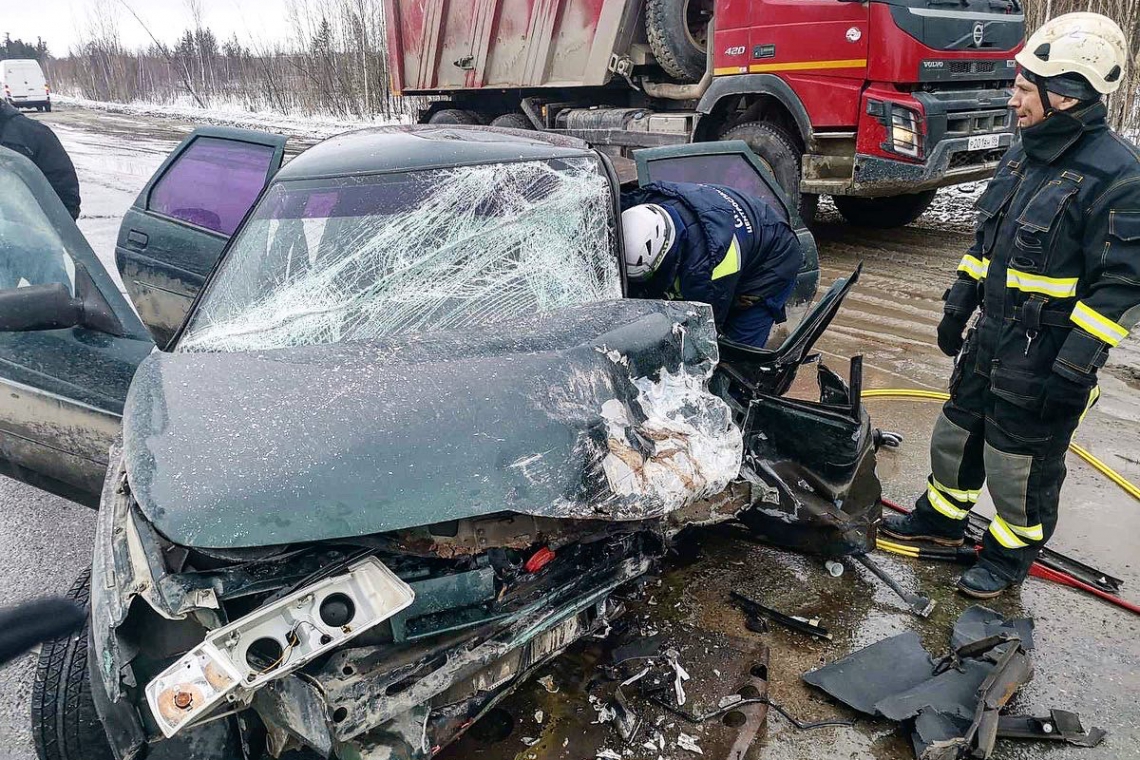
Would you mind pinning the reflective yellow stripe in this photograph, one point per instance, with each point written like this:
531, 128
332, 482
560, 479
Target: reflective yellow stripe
722, 70
1097, 324
974, 266
1000, 530
730, 264
1033, 532
1094, 395
1058, 287
942, 505
970, 496
853, 63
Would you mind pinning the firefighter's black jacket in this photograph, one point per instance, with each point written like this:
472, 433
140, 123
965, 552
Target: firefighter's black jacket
1055, 266
39, 143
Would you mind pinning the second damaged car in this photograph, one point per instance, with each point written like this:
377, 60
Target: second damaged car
405, 445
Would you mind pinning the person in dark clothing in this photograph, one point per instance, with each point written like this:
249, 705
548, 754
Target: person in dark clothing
712, 244
39, 143
1055, 272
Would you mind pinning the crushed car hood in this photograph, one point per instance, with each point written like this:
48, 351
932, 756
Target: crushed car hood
593, 412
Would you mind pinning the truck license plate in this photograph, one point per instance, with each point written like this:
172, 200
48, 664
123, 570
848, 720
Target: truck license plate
983, 142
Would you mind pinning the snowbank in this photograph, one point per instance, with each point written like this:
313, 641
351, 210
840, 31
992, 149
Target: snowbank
952, 210
234, 116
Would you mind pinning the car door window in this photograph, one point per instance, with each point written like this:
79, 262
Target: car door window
213, 183
34, 253
723, 169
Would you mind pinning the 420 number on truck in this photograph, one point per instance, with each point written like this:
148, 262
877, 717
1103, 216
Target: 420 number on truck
876, 103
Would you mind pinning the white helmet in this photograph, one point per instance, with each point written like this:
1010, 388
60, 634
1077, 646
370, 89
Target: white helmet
648, 234
1089, 45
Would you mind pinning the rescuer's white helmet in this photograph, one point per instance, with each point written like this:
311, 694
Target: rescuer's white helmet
1089, 45
648, 234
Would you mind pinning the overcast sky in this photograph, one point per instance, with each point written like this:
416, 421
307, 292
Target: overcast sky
60, 22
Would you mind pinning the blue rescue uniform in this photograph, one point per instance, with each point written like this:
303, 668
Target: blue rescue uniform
733, 252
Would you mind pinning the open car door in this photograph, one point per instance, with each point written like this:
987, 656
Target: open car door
176, 229
733, 163
69, 342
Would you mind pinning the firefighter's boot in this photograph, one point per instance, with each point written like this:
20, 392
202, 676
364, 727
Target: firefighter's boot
916, 526
981, 582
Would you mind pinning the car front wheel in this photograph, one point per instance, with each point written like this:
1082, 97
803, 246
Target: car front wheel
65, 725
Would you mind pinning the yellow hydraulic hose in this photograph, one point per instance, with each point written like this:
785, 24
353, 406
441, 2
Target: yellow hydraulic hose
912, 393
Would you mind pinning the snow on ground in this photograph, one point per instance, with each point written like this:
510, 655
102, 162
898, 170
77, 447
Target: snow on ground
952, 209
235, 116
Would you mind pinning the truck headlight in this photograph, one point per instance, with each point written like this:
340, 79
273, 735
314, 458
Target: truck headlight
237, 659
905, 137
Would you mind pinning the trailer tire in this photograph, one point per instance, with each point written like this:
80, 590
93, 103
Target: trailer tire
514, 120
884, 213
65, 725
674, 29
453, 116
778, 149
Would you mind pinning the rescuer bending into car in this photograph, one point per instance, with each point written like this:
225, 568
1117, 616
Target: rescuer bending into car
1055, 270
712, 244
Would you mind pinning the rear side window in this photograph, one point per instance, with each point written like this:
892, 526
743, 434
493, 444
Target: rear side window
723, 169
213, 183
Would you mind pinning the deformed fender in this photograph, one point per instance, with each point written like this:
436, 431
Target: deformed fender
757, 84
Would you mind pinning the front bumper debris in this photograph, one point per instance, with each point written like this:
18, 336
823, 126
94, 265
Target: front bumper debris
285, 635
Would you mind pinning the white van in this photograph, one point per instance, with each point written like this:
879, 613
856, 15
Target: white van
23, 85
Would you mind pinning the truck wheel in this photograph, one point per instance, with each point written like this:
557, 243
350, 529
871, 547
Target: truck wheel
678, 35
65, 725
513, 120
453, 116
777, 149
884, 213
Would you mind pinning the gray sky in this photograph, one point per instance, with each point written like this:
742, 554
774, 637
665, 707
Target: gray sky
61, 22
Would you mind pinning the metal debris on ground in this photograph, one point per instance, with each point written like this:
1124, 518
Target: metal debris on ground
547, 682
756, 611
920, 605
686, 742
951, 705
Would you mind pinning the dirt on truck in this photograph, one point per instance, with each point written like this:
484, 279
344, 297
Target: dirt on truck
877, 104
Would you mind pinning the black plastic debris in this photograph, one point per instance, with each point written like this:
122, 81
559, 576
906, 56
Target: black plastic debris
978, 623
952, 706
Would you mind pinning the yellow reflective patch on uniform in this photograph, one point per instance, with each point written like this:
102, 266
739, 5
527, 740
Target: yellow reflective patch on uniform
1094, 396
968, 496
1033, 532
1000, 530
974, 266
1100, 326
730, 264
1058, 287
942, 505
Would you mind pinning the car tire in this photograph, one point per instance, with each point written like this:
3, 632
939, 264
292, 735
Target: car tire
775, 147
453, 116
884, 213
678, 33
65, 725
514, 120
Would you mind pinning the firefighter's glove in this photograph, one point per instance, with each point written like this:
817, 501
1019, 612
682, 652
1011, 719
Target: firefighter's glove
1064, 398
950, 331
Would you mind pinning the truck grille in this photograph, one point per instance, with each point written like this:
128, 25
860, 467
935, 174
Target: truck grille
976, 158
963, 68
966, 123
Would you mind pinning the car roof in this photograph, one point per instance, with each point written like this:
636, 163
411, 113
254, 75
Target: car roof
412, 147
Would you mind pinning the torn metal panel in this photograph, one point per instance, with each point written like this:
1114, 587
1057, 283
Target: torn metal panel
323, 442
1058, 726
978, 622
875, 673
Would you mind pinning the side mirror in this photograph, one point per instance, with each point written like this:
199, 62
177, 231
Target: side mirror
39, 307
52, 307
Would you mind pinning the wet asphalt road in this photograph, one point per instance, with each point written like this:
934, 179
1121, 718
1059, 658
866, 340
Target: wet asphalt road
1088, 656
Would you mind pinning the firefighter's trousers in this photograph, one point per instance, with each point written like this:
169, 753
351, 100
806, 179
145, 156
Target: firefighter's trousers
982, 438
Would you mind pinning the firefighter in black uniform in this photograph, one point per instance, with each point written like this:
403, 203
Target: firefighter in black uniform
36, 141
1055, 272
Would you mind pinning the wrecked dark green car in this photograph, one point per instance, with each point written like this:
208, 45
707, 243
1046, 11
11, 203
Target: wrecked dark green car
404, 440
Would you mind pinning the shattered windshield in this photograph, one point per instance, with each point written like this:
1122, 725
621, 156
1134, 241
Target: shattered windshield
360, 258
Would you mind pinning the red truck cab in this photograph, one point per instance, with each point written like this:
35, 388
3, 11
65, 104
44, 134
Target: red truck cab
876, 103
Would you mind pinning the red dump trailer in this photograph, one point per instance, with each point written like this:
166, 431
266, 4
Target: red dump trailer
877, 103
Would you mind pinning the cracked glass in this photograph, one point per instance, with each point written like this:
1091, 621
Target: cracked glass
362, 258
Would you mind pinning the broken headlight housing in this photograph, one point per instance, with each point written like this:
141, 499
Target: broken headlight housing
237, 659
